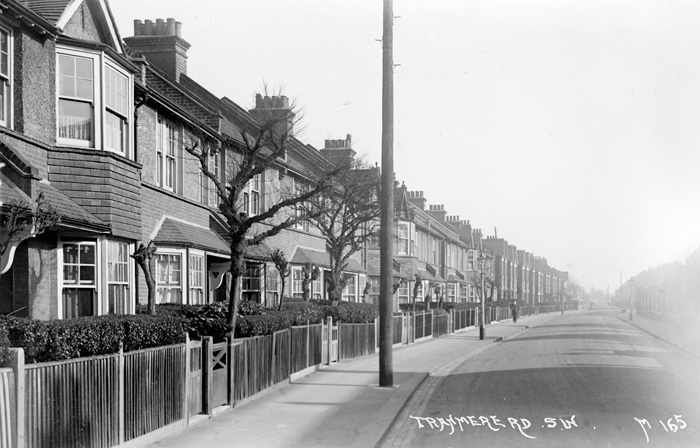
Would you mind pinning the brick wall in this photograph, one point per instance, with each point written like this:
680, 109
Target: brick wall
36, 282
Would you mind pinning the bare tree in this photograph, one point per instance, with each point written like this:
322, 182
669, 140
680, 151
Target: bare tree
484, 271
416, 287
282, 265
261, 147
23, 220
348, 217
145, 257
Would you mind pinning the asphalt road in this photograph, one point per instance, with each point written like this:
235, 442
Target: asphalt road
579, 380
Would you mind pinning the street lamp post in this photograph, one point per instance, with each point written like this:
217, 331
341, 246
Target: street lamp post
482, 259
631, 303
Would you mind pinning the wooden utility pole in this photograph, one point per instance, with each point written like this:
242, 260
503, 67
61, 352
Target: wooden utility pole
386, 368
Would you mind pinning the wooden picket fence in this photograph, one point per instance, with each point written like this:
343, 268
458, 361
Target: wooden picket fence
109, 400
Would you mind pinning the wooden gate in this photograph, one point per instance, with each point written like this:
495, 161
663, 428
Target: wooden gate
329, 349
194, 383
219, 374
408, 334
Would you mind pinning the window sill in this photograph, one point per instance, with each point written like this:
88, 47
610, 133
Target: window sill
100, 152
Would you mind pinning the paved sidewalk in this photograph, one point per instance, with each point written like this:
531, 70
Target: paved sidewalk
341, 405
684, 336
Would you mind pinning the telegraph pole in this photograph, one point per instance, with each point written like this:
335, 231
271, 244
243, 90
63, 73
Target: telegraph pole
386, 368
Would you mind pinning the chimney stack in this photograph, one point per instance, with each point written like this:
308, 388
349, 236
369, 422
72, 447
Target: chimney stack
416, 198
274, 109
340, 151
162, 45
438, 212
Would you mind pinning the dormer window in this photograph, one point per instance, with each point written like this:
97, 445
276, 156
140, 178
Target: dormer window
94, 102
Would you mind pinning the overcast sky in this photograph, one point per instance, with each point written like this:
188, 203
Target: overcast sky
573, 127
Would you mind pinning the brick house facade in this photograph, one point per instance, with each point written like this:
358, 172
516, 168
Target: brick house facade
109, 155
98, 126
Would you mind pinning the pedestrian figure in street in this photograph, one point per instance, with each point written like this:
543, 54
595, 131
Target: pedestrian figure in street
514, 311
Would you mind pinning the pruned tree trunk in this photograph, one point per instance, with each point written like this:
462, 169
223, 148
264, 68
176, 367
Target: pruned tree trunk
145, 257
281, 293
237, 260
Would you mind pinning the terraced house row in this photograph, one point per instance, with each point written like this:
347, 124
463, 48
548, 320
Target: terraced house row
98, 125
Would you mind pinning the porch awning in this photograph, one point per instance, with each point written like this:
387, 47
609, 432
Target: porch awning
425, 275
179, 233
260, 252
456, 278
321, 259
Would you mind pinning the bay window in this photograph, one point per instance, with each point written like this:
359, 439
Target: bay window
403, 292
79, 279
76, 99
350, 290
272, 286
251, 282
316, 291
452, 292
94, 102
196, 270
169, 278
402, 234
116, 111
297, 286
117, 277
374, 289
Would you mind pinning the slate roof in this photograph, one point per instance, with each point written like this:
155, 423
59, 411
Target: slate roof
51, 10
70, 211
435, 224
10, 192
320, 259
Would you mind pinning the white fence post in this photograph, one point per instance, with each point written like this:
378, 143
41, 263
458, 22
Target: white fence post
330, 339
376, 334
121, 395
17, 366
186, 404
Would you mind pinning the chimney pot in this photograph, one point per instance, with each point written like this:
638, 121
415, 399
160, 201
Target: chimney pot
148, 28
160, 27
178, 29
170, 27
138, 27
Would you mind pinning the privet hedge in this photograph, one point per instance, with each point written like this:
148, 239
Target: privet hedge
254, 320
90, 336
